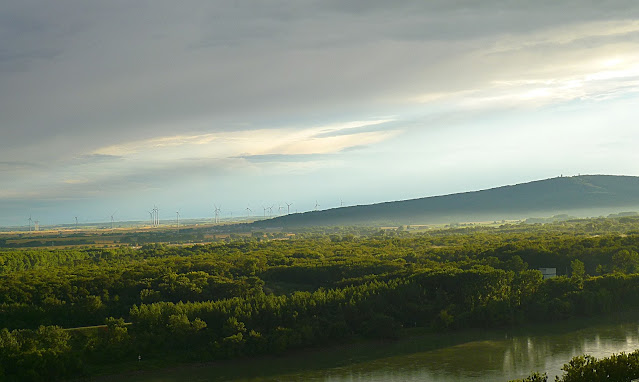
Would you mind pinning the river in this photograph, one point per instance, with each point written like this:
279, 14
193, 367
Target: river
469, 356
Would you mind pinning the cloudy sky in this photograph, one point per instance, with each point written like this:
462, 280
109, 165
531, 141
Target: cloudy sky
115, 106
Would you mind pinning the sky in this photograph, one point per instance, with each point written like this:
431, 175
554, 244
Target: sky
112, 107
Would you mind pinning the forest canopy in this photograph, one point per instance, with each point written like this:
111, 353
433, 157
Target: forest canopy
66, 312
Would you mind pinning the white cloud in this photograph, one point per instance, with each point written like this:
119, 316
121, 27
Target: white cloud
253, 142
147, 163
548, 66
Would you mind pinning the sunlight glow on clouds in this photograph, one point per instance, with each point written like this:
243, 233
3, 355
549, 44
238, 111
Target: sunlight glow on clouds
226, 150
613, 77
254, 142
566, 72
566, 34
396, 100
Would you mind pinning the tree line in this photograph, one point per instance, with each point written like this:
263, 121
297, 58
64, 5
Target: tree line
249, 297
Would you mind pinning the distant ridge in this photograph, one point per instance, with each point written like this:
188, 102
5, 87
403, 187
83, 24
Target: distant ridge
584, 195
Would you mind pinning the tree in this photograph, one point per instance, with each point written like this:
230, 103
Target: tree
577, 272
625, 261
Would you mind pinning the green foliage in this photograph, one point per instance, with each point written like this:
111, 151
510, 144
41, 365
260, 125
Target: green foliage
577, 272
618, 367
215, 301
625, 261
43, 354
534, 377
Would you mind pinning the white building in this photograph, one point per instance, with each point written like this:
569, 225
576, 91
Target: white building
548, 273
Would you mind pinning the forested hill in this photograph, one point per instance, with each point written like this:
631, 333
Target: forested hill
587, 195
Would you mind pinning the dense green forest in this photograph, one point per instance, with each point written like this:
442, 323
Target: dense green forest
67, 312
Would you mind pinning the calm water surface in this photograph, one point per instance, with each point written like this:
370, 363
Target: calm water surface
495, 359
459, 357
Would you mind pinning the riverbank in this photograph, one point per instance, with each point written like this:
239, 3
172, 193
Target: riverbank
416, 346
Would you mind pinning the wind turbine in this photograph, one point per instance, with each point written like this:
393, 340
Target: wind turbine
217, 213
114, 212
279, 209
316, 205
341, 202
151, 217
76, 223
156, 216
177, 215
270, 211
30, 220
265, 208
288, 208
248, 212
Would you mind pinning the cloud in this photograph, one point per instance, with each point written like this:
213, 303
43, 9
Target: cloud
297, 140
581, 61
265, 158
114, 97
14, 165
149, 164
104, 74
98, 158
357, 128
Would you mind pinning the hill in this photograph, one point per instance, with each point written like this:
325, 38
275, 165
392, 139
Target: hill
586, 195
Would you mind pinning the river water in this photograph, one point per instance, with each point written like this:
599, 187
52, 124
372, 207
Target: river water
460, 357
494, 359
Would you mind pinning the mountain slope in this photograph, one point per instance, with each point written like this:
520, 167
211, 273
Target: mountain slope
587, 195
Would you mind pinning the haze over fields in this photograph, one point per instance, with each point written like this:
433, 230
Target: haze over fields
117, 106
539, 201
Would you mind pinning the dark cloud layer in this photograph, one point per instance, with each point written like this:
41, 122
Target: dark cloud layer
78, 76
107, 72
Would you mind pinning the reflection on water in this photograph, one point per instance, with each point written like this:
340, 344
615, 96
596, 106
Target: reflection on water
494, 359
